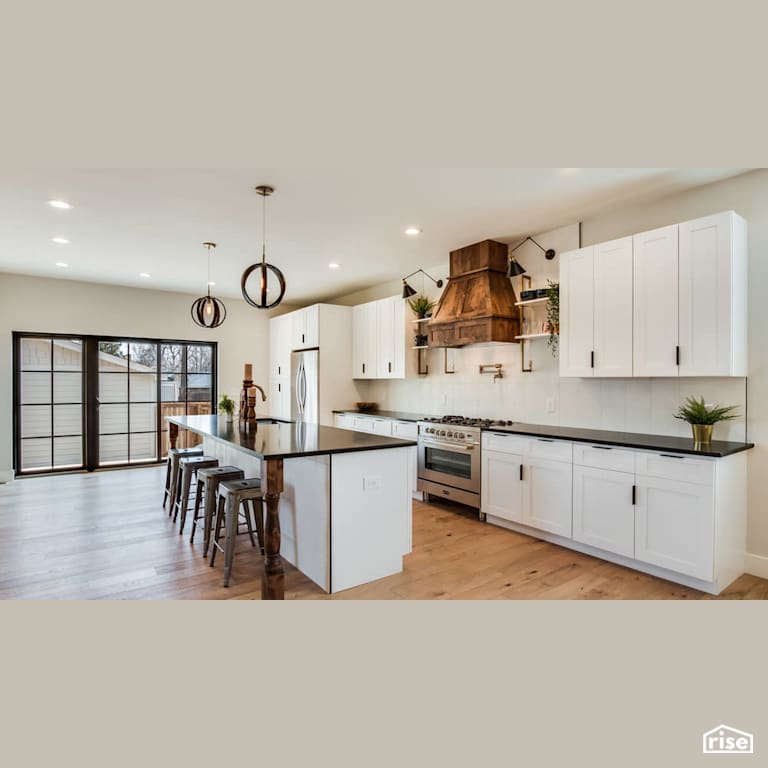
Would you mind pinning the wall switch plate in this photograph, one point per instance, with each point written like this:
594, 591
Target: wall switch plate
551, 404
372, 483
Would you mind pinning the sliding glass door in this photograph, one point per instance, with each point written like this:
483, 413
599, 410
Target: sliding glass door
88, 402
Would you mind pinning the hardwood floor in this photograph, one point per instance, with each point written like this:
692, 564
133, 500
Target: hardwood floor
105, 536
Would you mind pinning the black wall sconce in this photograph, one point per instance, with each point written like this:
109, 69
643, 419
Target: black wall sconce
515, 268
408, 291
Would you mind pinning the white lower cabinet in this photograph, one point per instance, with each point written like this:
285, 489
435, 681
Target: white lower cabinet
280, 398
674, 526
547, 495
680, 517
603, 509
502, 485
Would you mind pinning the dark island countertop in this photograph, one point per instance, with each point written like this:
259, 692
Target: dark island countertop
275, 439
715, 449
394, 415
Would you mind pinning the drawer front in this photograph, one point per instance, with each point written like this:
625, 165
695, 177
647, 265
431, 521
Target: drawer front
343, 421
497, 441
554, 450
604, 457
362, 423
381, 426
405, 429
675, 467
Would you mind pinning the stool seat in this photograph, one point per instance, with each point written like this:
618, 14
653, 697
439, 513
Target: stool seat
208, 480
174, 454
188, 466
232, 495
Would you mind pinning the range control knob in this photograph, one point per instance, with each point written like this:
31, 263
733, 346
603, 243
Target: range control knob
442, 433
449, 434
460, 435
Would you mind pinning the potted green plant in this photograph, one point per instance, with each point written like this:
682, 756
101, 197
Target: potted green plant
227, 406
422, 305
703, 417
553, 315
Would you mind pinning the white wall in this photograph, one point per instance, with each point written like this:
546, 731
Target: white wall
67, 306
638, 405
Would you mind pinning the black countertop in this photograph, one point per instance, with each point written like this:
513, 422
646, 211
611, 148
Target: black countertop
286, 439
394, 415
716, 449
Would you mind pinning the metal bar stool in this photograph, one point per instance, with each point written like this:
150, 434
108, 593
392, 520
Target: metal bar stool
233, 494
187, 469
174, 454
208, 480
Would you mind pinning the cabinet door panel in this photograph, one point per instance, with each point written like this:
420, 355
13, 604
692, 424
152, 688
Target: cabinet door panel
364, 341
501, 488
603, 513
577, 312
705, 296
280, 343
674, 526
547, 496
655, 323
613, 308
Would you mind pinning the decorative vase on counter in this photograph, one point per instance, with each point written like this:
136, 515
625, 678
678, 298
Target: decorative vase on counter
702, 433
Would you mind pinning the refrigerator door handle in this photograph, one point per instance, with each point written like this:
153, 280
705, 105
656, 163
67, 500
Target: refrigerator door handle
298, 387
303, 389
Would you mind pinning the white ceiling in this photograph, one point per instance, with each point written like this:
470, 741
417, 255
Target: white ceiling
124, 222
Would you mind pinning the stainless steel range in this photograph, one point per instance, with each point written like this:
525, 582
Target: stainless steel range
449, 457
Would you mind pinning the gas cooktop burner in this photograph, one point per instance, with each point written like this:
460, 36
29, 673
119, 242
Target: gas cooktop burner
465, 421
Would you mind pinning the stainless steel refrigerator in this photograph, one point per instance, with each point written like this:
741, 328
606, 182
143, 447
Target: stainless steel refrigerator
305, 385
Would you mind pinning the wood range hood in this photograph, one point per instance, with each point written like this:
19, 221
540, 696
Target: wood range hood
478, 304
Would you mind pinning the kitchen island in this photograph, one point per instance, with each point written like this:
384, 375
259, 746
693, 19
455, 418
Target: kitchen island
337, 502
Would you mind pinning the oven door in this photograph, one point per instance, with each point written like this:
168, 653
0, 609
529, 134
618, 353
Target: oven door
454, 465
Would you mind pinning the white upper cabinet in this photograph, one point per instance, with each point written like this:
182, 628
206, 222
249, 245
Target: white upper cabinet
613, 308
669, 302
280, 329
305, 333
365, 342
713, 296
378, 339
391, 358
577, 308
655, 340
596, 310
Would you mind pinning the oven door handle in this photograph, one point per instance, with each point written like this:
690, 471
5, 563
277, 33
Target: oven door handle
448, 446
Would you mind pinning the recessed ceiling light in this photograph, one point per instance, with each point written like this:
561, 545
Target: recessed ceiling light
413, 231
59, 204
144, 274
60, 240
61, 264
333, 265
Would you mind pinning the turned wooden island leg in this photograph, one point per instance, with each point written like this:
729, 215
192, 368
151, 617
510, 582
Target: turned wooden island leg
173, 433
272, 586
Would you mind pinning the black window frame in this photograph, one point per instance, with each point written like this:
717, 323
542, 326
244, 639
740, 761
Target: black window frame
90, 394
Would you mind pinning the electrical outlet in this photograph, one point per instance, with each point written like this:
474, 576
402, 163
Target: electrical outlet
551, 405
372, 483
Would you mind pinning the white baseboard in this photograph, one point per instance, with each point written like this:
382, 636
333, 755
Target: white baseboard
756, 565
6, 475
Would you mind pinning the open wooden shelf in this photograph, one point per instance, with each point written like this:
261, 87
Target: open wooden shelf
531, 301
424, 347
421, 320
534, 336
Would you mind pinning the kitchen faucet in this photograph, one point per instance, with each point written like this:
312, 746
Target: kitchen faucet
263, 396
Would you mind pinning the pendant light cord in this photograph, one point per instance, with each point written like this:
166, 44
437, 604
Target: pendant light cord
264, 229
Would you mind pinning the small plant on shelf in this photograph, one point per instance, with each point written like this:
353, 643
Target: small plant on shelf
553, 315
227, 406
703, 417
422, 305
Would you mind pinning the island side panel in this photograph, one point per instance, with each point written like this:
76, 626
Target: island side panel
370, 513
304, 507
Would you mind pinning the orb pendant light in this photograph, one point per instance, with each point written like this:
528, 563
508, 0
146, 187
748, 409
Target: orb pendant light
264, 269
208, 311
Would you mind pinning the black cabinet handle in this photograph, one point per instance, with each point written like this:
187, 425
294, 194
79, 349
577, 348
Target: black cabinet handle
390, 367
603, 447
634, 495
363, 367
302, 338
278, 387
592, 359
521, 471
677, 355
279, 369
